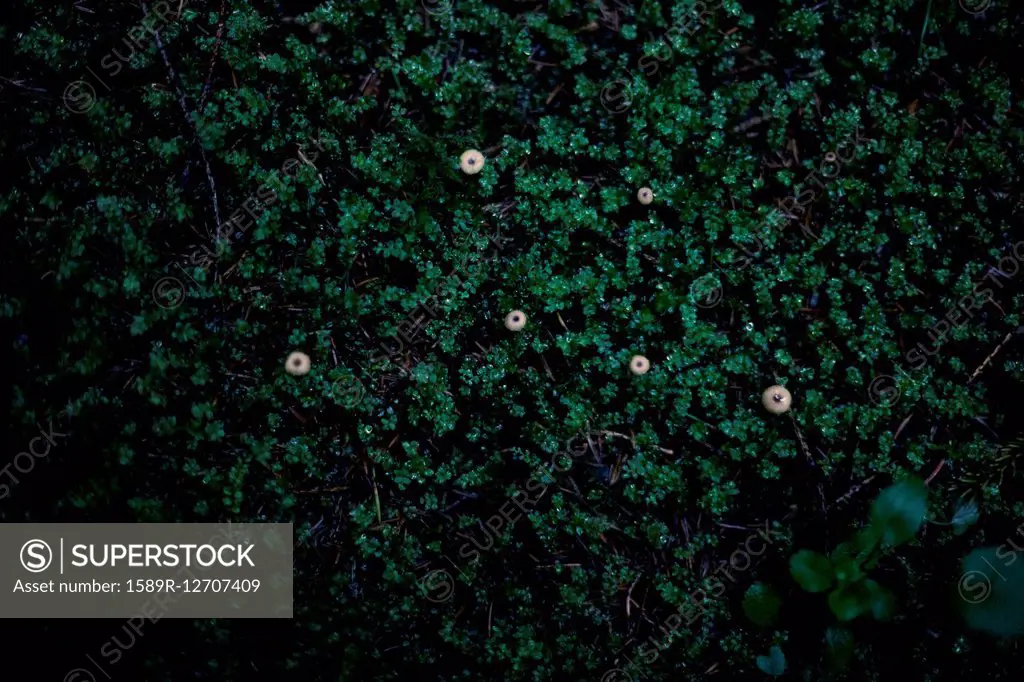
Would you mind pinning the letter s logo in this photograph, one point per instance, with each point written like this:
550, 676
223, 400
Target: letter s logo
36, 556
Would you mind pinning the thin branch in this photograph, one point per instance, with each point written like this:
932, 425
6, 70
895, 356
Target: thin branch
800, 436
189, 117
989, 358
854, 490
20, 84
213, 59
632, 440
935, 472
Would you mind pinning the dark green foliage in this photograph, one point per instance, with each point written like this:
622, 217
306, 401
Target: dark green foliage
838, 648
896, 516
812, 571
165, 343
991, 591
761, 604
899, 511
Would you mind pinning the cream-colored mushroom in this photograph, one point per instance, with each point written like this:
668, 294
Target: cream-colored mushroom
297, 364
638, 364
471, 162
776, 399
515, 320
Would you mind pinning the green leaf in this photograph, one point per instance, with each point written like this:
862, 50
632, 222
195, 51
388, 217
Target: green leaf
850, 601
991, 590
761, 604
899, 511
838, 648
847, 569
811, 570
859, 549
883, 603
865, 541
774, 663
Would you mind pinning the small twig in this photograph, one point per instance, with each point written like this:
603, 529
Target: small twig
232, 268
321, 490
854, 490
1002, 343
547, 368
632, 440
800, 436
19, 83
376, 498
189, 117
905, 422
729, 525
629, 596
213, 59
334, 354
935, 473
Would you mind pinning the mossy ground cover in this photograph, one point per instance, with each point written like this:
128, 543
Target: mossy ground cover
197, 190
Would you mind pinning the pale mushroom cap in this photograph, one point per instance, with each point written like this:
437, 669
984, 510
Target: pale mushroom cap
776, 399
471, 162
638, 364
645, 195
297, 364
515, 320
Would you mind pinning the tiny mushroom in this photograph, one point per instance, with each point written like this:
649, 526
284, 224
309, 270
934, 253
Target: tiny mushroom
776, 399
471, 162
645, 195
638, 364
297, 364
515, 320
